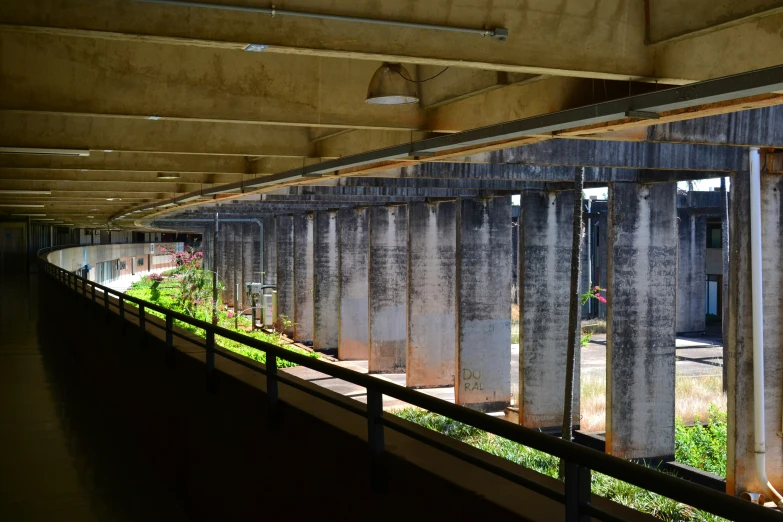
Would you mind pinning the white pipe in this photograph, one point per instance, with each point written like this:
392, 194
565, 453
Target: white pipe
759, 423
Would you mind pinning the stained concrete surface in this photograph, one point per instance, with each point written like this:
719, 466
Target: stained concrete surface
95, 428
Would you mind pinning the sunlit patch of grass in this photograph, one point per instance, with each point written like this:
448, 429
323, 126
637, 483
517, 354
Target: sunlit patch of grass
693, 396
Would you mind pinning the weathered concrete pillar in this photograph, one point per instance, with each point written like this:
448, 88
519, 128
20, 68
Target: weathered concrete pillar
388, 278
640, 347
206, 248
303, 277
484, 267
545, 279
226, 260
691, 275
270, 251
326, 274
740, 469
284, 231
251, 243
432, 288
354, 255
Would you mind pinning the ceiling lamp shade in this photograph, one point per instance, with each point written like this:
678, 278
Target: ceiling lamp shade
389, 86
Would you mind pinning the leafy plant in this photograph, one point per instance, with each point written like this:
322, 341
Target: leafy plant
703, 446
177, 293
593, 293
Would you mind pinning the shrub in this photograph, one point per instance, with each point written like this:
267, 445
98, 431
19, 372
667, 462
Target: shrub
703, 446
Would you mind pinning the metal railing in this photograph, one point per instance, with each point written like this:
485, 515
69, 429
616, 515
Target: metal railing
580, 461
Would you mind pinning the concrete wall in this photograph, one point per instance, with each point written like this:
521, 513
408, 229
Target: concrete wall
484, 267
326, 275
640, 346
354, 265
545, 247
284, 231
388, 278
740, 470
691, 252
270, 251
74, 258
303, 277
432, 287
714, 261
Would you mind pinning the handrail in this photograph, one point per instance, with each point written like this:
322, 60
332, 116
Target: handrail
580, 460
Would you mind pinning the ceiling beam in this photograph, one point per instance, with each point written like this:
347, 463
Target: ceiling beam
601, 43
672, 20
116, 161
115, 176
618, 154
137, 79
20, 129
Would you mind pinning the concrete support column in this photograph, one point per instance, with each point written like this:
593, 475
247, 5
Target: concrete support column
225, 255
545, 243
484, 267
691, 274
284, 232
270, 252
326, 274
206, 248
740, 469
303, 277
251, 243
388, 278
354, 264
432, 288
640, 347
601, 252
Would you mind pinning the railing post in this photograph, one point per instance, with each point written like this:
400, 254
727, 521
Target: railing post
106, 305
577, 492
210, 360
271, 389
121, 304
92, 287
142, 324
375, 439
169, 340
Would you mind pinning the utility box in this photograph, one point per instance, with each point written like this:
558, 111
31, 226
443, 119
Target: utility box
269, 309
264, 299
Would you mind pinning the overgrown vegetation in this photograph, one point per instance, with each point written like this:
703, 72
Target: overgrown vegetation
608, 487
188, 289
703, 446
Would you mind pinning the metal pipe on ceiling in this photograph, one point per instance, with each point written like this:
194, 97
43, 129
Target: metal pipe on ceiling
498, 33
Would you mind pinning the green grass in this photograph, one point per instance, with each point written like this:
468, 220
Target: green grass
166, 294
608, 487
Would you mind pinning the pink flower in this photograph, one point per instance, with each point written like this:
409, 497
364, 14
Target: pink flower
230, 315
600, 298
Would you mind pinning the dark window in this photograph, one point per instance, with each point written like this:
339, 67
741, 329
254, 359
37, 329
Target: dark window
121, 265
140, 261
714, 235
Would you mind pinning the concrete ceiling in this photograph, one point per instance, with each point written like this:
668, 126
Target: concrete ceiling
167, 101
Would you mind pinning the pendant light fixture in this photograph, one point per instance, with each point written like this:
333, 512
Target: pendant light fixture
390, 86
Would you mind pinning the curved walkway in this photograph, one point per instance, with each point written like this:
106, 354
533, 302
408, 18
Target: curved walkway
96, 428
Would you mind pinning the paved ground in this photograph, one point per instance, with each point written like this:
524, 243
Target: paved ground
695, 357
